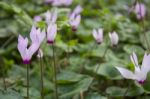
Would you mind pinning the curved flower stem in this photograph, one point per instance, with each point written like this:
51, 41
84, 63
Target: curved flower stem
28, 84
55, 73
41, 70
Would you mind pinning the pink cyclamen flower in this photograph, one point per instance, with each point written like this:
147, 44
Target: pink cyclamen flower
26, 53
75, 21
51, 17
140, 72
75, 17
37, 36
140, 10
114, 38
98, 35
51, 33
37, 18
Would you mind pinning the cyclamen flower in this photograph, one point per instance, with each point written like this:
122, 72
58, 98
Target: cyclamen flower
51, 33
75, 17
140, 10
98, 35
27, 52
51, 17
37, 36
37, 18
114, 38
140, 72
75, 21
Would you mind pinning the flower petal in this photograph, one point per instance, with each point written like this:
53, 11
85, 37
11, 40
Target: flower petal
51, 32
126, 73
22, 45
134, 59
146, 63
94, 33
78, 10
33, 34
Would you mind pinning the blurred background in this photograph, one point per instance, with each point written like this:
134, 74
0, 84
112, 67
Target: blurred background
85, 71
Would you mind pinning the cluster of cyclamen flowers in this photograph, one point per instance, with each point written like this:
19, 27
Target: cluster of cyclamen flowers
37, 36
140, 72
98, 35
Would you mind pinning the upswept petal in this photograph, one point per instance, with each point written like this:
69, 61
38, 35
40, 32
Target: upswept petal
146, 63
22, 44
94, 33
51, 32
126, 73
33, 48
75, 22
33, 36
100, 34
48, 16
51, 17
54, 17
78, 10
114, 38
42, 36
134, 59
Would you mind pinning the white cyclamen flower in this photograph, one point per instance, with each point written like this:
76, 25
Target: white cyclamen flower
98, 35
140, 72
114, 38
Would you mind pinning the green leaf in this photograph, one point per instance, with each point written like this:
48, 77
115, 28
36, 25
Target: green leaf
76, 88
118, 92
66, 77
10, 94
94, 96
109, 71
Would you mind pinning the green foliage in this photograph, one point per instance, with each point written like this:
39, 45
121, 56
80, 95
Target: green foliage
83, 68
